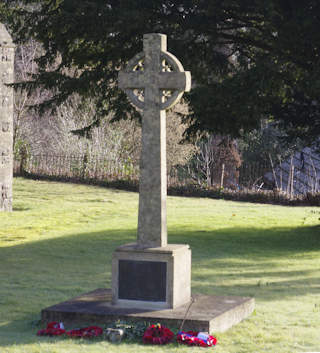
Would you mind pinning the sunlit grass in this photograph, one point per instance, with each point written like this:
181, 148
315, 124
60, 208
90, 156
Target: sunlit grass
59, 240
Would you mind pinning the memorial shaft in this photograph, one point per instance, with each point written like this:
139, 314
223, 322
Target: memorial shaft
154, 78
6, 119
152, 219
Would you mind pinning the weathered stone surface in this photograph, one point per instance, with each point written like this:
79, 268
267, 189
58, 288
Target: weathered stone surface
154, 71
6, 119
208, 313
171, 286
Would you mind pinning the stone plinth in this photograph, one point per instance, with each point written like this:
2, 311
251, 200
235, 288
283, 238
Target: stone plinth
6, 119
208, 313
152, 277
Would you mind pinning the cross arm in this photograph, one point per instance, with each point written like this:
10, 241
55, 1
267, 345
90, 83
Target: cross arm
180, 81
131, 80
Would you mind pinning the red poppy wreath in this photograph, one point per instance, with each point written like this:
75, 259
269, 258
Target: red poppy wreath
157, 334
53, 329
57, 329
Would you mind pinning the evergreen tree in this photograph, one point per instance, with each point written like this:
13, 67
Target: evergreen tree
249, 59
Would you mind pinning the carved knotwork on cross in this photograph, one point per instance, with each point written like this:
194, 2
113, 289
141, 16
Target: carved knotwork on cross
154, 81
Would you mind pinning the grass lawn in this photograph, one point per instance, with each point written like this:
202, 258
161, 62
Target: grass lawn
59, 240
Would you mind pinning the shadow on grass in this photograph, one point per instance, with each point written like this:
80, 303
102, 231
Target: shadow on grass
231, 261
20, 208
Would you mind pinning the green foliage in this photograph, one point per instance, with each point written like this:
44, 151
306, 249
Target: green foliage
250, 59
133, 330
260, 144
21, 148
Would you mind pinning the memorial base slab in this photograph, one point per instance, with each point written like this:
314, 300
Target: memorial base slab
207, 313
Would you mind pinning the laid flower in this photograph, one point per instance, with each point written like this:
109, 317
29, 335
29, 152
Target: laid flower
157, 334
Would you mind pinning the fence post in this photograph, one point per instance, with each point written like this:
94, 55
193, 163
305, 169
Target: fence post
222, 176
274, 173
292, 179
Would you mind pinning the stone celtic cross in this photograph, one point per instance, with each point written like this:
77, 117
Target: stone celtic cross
154, 81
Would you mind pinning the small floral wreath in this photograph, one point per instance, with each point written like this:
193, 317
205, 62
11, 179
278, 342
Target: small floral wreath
157, 334
192, 338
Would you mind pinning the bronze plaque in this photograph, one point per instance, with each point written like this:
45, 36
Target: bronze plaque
142, 280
